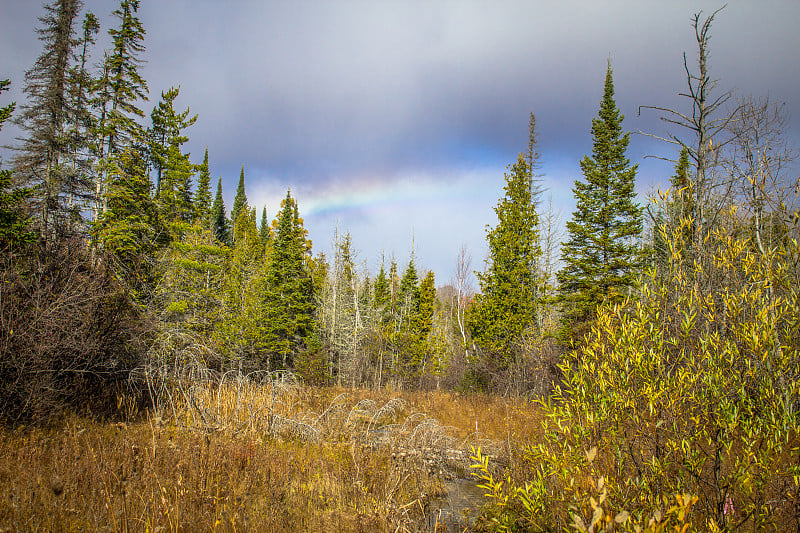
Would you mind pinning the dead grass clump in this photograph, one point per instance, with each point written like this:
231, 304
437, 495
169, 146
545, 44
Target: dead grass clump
256, 453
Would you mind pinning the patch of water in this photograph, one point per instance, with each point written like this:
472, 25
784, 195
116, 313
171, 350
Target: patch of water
456, 511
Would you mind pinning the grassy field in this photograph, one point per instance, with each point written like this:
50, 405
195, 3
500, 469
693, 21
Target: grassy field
245, 457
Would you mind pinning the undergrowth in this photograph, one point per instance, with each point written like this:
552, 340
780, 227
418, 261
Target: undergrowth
252, 455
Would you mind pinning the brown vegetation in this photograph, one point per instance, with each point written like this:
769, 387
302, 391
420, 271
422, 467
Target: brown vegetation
268, 457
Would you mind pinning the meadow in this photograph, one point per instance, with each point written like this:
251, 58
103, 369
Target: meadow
258, 456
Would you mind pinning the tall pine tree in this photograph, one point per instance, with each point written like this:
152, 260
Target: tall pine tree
202, 195
506, 307
239, 201
220, 226
601, 256
289, 305
118, 92
167, 131
43, 156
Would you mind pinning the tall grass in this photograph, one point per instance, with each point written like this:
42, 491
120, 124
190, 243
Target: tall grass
253, 455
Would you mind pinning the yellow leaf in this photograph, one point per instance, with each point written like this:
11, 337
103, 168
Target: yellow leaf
622, 517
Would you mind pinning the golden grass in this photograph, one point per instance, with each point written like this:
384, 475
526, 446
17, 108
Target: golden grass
245, 457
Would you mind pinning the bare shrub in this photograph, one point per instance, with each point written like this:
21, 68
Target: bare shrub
69, 335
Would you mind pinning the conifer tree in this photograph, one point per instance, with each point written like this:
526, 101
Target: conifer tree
601, 256
239, 201
80, 176
408, 294
192, 275
43, 157
506, 307
382, 293
263, 229
13, 222
239, 333
167, 130
220, 227
118, 92
202, 195
289, 305
127, 228
175, 199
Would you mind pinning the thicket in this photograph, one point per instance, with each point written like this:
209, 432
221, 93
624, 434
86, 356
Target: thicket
70, 335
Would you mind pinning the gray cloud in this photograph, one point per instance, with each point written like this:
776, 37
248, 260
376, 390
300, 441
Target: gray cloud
326, 96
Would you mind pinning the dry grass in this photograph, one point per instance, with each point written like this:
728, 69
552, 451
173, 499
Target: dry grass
244, 455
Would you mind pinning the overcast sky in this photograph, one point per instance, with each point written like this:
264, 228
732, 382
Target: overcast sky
396, 120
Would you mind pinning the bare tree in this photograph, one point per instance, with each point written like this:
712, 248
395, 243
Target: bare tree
759, 163
708, 125
463, 292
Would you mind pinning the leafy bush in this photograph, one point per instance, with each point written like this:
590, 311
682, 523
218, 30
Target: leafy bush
688, 391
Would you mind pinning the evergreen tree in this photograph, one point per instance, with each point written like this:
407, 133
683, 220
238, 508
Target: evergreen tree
239, 333
192, 275
263, 229
167, 131
127, 228
678, 207
289, 304
43, 157
175, 199
382, 293
506, 307
80, 182
601, 256
202, 195
13, 222
220, 227
408, 294
239, 201
118, 91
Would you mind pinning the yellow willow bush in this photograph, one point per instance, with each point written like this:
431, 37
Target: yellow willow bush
688, 394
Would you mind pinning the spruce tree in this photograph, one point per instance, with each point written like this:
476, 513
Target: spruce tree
43, 156
381, 293
202, 195
239, 201
239, 333
289, 305
175, 199
506, 307
118, 92
601, 256
127, 229
263, 229
167, 130
220, 226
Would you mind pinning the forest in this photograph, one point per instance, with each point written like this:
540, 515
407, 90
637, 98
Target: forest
169, 364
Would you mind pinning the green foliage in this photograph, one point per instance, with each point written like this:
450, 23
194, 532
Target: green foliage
220, 225
127, 229
681, 391
13, 222
192, 272
202, 194
125, 85
506, 306
166, 132
601, 256
239, 201
288, 295
264, 232
239, 333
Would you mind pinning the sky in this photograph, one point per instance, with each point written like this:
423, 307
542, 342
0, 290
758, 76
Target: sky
396, 120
